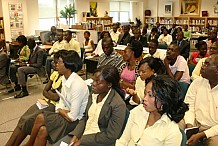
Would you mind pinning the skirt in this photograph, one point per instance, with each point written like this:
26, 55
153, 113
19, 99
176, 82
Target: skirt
27, 120
57, 126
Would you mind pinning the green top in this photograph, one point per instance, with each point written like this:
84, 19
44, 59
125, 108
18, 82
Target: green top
187, 34
24, 54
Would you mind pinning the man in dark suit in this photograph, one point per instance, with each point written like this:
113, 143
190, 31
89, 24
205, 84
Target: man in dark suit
125, 37
34, 66
183, 45
3, 63
173, 32
138, 36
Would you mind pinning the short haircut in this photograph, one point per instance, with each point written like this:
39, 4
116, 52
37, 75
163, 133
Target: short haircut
22, 39
199, 44
71, 60
169, 93
154, 29
87, 32
31, 43
136, 47
154, 41
69, 32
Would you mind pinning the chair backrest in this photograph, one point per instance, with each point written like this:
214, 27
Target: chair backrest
184, 138
126, 119
191, 67
184, 87
8, 66
42, 36
82, 53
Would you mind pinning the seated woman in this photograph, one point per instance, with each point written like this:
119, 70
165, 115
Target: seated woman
105, 113
88, 43
154, 123
98, 51
148, 67
165, 38
129, 69
52, 126
202, 53
24, 51
26, 121
153, 35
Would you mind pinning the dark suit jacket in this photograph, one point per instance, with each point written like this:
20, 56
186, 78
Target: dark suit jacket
36, 60
126, 40
184, 48
142, 39
110, 122
174, 34
3, 64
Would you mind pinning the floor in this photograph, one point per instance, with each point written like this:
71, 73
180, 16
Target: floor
12, 109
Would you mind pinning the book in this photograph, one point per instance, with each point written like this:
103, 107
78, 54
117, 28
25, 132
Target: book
191, 131
41, 104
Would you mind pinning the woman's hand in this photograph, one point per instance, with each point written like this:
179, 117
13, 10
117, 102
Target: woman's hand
63, 113
131, 91
195, 138
74, 141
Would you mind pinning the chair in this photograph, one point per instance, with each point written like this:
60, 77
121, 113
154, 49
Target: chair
184, 86
82, 53
126, 119
184, 138
191, 67
42, 36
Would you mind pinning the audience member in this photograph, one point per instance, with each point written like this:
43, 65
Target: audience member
3, 64
145, 30
24, 51
179, 29
153, 35
212, 38
70, 43
154, 122
159, 31
148, 67
52, 126
103, 120
50, 36
125, 37
129, 69
110, 56
173, 31
187, 33
57, 46
152, 46
175, 64
165, 38
98, 51
196, 72
202, 100
34, 66
184, 46
115, 34
137, 36
202, 52
88, 43
25, 124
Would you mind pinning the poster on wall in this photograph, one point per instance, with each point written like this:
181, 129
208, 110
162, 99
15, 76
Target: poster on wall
93, 9
16, 19
190, 7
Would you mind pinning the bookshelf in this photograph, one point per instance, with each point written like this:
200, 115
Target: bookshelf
213, 21
151, 21
2, 31
99, 23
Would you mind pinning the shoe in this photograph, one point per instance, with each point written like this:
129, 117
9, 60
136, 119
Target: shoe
45, 82
21, 94
16, 88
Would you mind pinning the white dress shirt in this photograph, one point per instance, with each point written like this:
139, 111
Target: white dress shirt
98, 51
93, 113
115, 36
76, 93
157, 54
196, 72
181, 65
72, 45
203, 105
57, 46
164, 132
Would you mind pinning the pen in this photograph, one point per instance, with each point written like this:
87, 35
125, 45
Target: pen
71, 144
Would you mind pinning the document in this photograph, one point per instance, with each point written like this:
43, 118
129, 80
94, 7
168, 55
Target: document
63, 98
63, 144
41, 104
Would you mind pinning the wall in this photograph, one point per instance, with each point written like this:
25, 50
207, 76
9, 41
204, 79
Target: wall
136, 10
30, 16
1, 13
206, 5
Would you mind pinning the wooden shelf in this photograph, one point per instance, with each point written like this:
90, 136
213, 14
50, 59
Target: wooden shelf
99, 23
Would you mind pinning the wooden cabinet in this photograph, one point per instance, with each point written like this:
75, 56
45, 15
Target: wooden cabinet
99, 23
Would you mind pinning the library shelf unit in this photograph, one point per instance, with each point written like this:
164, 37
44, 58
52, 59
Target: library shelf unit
99, 23
2, 31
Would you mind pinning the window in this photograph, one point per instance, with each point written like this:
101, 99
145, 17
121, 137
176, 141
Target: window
49, 10
120, 11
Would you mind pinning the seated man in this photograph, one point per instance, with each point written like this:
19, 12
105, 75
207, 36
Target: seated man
110, 56
183, 45
152, 46
176, 65
3, 63
124, 38
202, 100
70, 43
58, 45
138, 36
115, 33
50, 36
32, 67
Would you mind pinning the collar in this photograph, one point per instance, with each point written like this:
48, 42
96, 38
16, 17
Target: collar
68, 82
95, 96
35, 48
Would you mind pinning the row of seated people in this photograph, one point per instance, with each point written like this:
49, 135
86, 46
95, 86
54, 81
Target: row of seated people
110, 57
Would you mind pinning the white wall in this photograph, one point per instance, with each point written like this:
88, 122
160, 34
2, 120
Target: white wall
1, 13
30, 16
206, 5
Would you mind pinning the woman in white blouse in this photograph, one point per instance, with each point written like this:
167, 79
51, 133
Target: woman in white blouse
154, 123
165, 38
